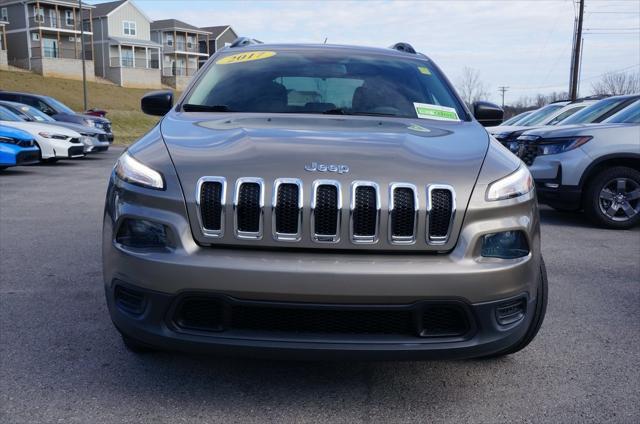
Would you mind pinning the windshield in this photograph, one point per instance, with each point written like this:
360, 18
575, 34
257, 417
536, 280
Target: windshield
58, 106
35, 113
6, 115
515, 119
333, 82
565, 114
629, 115
599, 111
540, 115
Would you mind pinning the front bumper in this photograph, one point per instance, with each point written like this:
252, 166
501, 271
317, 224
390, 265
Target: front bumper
157, 326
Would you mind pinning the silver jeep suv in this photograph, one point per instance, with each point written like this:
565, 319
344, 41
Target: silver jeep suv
322, 201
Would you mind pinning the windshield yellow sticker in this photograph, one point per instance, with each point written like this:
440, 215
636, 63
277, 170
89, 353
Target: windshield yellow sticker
424, 70
442, 113
245, 57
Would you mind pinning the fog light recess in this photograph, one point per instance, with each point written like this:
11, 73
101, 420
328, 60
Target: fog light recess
505, 245
142, 234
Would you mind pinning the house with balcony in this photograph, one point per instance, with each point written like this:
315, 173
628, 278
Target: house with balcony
219, 37
45, 36
4, 21
124, 51
182, 52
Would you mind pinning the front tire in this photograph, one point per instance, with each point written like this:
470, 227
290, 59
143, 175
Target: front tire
612, 198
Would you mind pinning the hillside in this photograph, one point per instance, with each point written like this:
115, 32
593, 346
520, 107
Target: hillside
122, 104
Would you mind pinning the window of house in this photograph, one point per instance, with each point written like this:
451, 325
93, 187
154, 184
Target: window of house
4, 14
38, 14
68, 16
189, 42
35, 36
129, 28
169, 39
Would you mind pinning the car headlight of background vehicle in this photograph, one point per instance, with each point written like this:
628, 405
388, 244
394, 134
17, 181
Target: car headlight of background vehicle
551, 146
513, 185
132, 171
86, 140
49, 135
90, 123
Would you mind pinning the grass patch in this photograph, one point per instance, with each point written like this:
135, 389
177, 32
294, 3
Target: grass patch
122, 104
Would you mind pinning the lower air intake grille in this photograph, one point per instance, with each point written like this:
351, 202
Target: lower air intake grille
403, 214
129, 300
211, 205
287, 208
444, 321
248, 207
365, 212
326, 210
219, 314
440, 213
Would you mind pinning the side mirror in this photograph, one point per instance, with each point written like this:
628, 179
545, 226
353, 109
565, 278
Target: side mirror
157, 103
488, 114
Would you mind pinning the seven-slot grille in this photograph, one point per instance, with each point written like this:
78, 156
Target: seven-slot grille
326, 210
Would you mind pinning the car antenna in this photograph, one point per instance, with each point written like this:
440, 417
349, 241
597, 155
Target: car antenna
325, 40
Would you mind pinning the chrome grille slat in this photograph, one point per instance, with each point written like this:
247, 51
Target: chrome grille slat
211, 202
403, 213
287, 205
326, 208
364, 212
248, 205
441, 208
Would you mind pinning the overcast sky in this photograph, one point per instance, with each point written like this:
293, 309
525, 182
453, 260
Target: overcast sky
525, 45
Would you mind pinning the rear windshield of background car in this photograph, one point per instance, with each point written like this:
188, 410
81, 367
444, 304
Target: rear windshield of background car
324, 82
599, 111
540, 115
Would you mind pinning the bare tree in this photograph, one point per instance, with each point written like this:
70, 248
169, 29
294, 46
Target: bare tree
470, 87
616, 83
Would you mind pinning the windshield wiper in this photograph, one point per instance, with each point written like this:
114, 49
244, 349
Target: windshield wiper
341, 111
205, 108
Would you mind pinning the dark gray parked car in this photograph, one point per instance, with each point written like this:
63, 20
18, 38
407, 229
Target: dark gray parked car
323, 201
59, 111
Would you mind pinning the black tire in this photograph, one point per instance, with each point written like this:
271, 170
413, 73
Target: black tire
594, 204
539, 313
135, 346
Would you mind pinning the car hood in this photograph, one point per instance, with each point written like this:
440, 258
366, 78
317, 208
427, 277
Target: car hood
384, 151
77, 127
36, 127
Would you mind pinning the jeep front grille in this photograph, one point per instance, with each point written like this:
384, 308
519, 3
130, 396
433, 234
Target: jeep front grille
287, 211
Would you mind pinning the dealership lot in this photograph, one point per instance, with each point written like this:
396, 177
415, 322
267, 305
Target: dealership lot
61, 360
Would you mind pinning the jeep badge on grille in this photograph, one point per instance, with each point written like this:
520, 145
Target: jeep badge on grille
323, 167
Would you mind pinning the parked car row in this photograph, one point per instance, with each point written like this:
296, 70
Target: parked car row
589, 161
47, 126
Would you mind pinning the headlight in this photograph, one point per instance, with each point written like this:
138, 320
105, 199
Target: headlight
130, 170
49, 135
90, 122
8, 140
552, 146
513, 185
86, 140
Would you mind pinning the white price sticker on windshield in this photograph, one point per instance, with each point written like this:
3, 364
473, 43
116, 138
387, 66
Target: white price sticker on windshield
442, 113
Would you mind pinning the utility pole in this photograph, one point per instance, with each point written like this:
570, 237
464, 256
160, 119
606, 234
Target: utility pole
503, 90
575, 56
84, 69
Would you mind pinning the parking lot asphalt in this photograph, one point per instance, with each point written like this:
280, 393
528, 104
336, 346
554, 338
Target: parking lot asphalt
61, 360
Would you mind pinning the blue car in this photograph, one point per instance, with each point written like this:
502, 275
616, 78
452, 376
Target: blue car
17, 147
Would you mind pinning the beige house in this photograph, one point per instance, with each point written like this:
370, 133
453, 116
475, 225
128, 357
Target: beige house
124, 51
44, 36
182, 53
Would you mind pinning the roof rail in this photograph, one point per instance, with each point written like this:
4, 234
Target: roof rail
244, 41
404, 47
